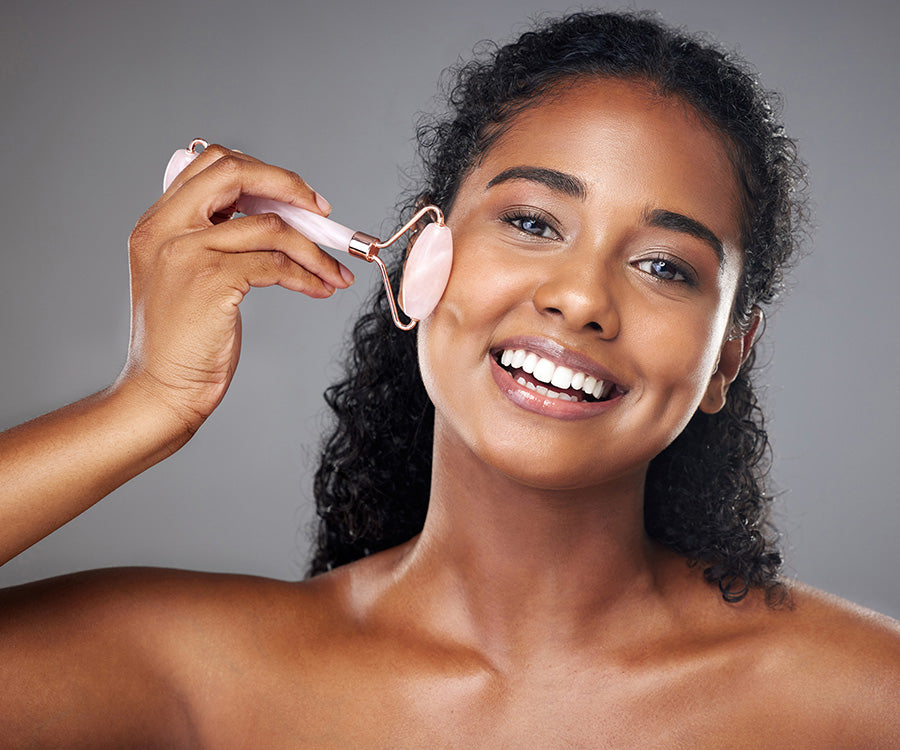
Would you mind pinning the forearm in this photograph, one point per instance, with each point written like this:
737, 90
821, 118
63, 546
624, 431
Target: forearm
57, 466
188, 276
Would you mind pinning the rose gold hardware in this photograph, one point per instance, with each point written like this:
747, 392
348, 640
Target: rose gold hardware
361, 246
365, 246
438, 217
390, 297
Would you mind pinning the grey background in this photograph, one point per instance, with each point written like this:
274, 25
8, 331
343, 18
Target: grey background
95, 96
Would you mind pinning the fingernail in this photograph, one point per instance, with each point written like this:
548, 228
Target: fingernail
328, 287
324, 205
347, 274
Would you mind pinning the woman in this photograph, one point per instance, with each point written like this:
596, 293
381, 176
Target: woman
522, 570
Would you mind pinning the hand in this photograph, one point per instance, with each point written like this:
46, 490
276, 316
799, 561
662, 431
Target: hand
191, 268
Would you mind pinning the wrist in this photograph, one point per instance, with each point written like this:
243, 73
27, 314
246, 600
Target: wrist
157, 428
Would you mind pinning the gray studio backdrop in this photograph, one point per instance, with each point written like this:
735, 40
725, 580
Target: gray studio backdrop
95, 96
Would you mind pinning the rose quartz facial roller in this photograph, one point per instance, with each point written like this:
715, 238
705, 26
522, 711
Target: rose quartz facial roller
427, 266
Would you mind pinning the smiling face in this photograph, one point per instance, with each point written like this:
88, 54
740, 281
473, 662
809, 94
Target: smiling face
597, 240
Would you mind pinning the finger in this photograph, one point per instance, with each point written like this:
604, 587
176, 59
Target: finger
206, 157
267, 232
209, 155
229, 211
224, 180
264, 268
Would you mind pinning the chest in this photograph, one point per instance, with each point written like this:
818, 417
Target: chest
366, 702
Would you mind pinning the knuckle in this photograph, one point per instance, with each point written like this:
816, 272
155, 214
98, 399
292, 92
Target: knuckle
216, 151
271, 223
228, 164
297, 179
141, 233
300, 183
172, 251
280, 261
143, 237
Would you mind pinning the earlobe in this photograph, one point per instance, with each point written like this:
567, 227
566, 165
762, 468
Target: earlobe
734, 353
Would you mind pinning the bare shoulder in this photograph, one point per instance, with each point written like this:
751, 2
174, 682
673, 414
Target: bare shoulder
836, 663
157, 596
161, 616
156, 654
839, 632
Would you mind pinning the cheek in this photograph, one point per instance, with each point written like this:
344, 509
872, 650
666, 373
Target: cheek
681, 353
454, 342
483, 280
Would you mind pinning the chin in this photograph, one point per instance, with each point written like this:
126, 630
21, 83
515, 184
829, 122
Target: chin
558, 470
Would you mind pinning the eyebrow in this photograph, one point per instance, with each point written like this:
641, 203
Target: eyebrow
560, 181
686, 225
571, 185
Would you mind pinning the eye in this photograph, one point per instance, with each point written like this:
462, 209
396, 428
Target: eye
666, 269
532, 223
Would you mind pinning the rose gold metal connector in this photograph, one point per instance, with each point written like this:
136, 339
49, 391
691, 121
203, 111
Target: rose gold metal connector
366, 246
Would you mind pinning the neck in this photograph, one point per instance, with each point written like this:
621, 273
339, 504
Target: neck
506, 564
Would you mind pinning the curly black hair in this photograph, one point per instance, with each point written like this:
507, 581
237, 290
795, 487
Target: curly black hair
705, 495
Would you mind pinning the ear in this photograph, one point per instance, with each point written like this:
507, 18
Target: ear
734, 353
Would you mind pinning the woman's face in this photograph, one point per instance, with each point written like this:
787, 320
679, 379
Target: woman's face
599, 238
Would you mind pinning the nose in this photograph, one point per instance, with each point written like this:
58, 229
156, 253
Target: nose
579, 293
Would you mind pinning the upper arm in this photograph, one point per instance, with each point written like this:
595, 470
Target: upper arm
86, 661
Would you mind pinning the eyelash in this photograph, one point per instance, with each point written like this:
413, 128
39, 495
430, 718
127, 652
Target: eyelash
676, 268
516, 217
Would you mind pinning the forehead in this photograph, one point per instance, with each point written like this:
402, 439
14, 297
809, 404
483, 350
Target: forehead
629, 146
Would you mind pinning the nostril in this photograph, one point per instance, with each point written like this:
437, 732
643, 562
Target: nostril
595, 326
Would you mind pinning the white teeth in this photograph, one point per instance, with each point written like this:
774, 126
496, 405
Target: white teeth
544, 370
547, 371
562, 377
531, 360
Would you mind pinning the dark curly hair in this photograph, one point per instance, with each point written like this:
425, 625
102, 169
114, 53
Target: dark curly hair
705, 495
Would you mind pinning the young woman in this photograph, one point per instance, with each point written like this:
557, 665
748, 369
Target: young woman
542, 516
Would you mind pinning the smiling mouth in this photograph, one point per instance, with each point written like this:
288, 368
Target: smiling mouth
552, 380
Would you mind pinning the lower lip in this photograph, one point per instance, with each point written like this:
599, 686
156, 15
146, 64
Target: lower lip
549, 407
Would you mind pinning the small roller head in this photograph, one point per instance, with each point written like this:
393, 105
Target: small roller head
426, 271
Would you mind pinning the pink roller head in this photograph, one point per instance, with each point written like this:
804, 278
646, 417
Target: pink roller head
427, 271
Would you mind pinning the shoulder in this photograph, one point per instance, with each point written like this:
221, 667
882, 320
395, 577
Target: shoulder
835, 664
843, 635
163, 654
153, 611
120, 593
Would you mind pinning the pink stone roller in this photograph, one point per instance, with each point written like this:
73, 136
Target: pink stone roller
428, 262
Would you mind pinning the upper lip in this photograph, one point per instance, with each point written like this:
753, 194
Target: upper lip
560, 354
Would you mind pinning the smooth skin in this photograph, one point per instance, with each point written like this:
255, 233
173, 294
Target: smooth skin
532, 610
